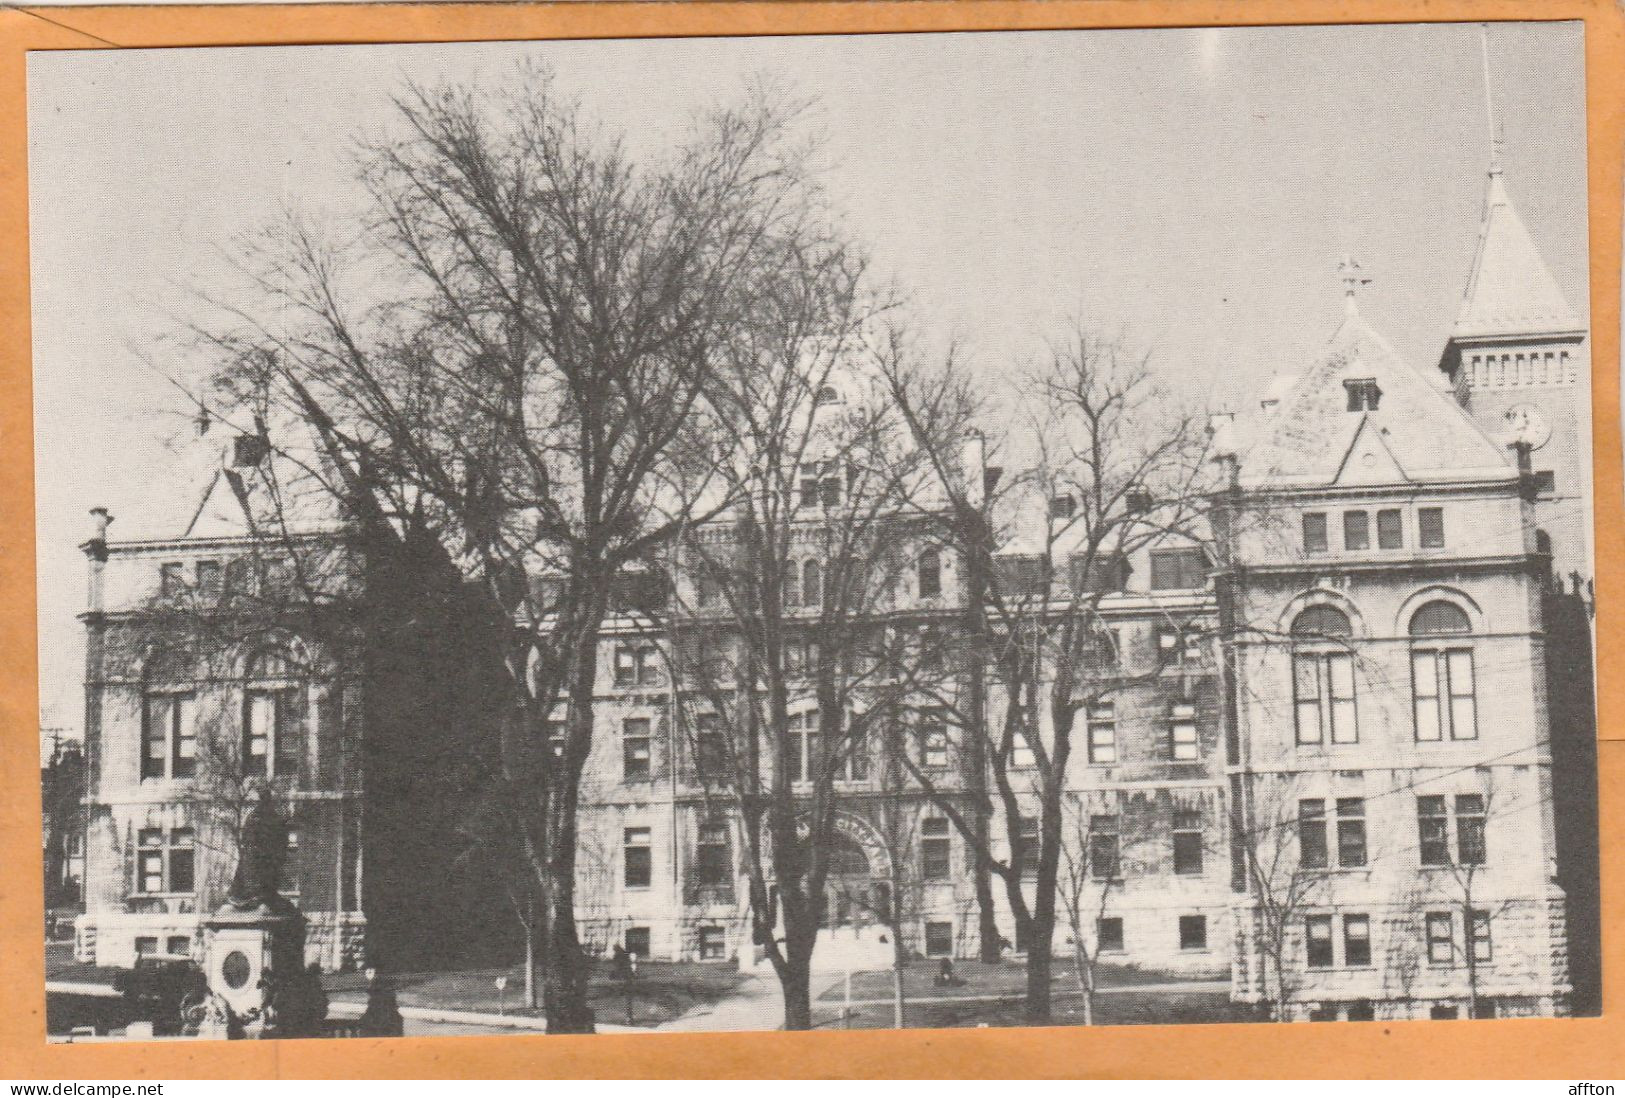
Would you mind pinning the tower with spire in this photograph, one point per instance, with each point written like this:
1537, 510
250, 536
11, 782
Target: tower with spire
1517, 358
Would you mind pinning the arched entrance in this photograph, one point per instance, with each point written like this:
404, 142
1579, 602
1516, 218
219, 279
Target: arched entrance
856, 889
852, 906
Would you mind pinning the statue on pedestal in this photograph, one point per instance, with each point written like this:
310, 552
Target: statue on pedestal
262, 851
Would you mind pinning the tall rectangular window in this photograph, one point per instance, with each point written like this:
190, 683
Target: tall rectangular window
1351, 850
1432, 831
171, 579
1102, 722
1481, 936
558, 737
1357, 940
150, 860
939, 939
637, 942
1356, 530
1312, 852
1390, 529
168, 736
1441, 938
933, 740
712, 860
1104, 864
1030, 841
1187, 841
713, 943
710, 749
635, 748
270, 737
1193, 932
1314, 532
639, 858
1109, 935
1471, 845
936, 848
1184, 746
1323, 697
1445, 695
1430, 527
164, 860
1318, 940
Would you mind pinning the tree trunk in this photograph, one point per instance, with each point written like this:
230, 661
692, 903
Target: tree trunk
1039, 963
795, 980
899, 963
532, 990
564, 979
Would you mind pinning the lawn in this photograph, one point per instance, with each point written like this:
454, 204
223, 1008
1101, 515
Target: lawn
976, 979
661, 992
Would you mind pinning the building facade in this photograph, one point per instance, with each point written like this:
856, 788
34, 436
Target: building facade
1328, 770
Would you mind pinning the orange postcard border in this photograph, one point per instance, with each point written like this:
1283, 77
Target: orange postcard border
1568, 1048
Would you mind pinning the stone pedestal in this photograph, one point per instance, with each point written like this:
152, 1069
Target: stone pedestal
244, 952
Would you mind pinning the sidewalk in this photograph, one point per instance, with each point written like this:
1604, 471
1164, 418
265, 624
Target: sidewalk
757, 1004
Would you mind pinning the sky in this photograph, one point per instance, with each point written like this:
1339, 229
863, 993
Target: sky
1195, 189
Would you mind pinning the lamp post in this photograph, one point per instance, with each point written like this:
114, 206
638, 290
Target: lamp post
631, 981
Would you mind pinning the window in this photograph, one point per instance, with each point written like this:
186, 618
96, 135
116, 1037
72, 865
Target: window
1356, 530
1030, 844
1432, 831
169, 736
1322, 622
803, 746
713, 864
637, 942
1183, 743
1312, 853
270, 732
639, 868
1102, 723
1442, 677
146, 947
710, 749
854, 763
1318, 940
713, 943
164, 861
1357, 940
1430, 527
1178, 569
1062, 506
939, 939
1363, 394
1193, 932
809, 485
1443, 1012
1109, 935
1471, 845
707, 586
935, 849
1323, 1012
1106, 573
1104, 864
288, 881
637, 665
930, 573
1323, 697
1481, 939
1187, 841
558, 737
1021, 752
1351, 852
812, 584
1314, 532
1441, 939
792, 585
209, 579
178, 945
171, 579
635, 745
800, 657
1021, 576
1545, 482
933, 741
1390, 529
1362, 1010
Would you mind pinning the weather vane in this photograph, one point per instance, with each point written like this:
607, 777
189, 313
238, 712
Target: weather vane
1353, 276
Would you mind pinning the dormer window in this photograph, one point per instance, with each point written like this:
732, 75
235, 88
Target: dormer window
1364, 395
828, 394
1062, 506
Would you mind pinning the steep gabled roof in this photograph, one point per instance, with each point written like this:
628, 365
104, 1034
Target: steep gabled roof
1417, 432
1511, 291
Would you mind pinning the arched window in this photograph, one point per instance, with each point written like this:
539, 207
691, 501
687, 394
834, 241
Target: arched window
930, 573
828, 394
812, 584
1442, 678
792, 583
1323, 678
1440, 618
169, 716
1322, 621
273, 715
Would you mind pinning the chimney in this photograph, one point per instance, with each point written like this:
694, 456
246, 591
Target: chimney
973, 466
248, 451
95, 550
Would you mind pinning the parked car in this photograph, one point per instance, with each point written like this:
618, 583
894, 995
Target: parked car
156, 986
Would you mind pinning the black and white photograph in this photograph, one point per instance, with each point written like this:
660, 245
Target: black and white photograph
941, 530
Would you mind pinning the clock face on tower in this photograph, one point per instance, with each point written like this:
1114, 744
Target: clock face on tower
1527, 425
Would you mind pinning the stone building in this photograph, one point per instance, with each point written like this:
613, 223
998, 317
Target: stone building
1328, 770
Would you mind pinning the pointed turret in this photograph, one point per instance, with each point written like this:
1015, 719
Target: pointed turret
1511, 292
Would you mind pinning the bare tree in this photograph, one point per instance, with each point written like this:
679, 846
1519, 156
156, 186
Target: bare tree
495, 379
1281, 882
1115, 470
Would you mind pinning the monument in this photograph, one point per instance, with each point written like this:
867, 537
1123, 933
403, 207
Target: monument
254, 944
